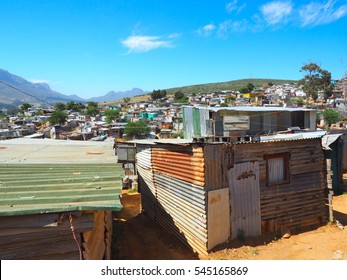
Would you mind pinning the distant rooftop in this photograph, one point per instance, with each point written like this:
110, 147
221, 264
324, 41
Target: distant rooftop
254, 109
263, 139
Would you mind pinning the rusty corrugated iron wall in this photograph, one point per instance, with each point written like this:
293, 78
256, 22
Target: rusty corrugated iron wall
218, 159
172, 192
182, 210
182, 162
175, 181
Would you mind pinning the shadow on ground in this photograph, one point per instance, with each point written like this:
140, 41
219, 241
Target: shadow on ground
137, 237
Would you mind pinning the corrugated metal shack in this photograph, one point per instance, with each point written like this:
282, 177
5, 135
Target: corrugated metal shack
38, 201
243, 120
55, 209
207, 193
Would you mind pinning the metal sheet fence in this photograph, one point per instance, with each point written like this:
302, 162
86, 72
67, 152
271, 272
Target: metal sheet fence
182, 209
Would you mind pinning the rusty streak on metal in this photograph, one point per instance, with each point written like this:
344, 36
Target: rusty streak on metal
246, 175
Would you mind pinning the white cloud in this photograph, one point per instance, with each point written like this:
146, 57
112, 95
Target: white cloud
38, 81
230, 26
137, 44
206, 30
231, 6
174, 36
234, 6
321, 13
276, 12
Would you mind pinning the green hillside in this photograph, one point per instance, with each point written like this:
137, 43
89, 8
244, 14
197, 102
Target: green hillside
231, 85
214, 87
209, 88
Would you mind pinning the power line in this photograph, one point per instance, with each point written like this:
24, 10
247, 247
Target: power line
42, 100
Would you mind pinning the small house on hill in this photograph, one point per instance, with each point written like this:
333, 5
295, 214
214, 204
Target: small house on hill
208, 193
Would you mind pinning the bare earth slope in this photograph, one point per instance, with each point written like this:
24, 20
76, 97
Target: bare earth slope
136, 237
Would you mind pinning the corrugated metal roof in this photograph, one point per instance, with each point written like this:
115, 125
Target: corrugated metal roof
329, 139
253, 109
175, 141
294, 136
24, 150
49, 188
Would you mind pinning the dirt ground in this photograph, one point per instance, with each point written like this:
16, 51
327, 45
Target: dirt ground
137, 237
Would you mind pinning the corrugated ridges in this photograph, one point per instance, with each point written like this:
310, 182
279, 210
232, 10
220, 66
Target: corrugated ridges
48, 188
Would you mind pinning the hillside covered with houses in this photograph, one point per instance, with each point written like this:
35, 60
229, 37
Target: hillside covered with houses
210, 167
160, 113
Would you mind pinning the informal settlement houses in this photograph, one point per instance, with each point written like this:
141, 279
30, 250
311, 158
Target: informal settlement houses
229, 180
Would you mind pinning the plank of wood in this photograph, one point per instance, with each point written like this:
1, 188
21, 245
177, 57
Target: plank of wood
37, 249
73, 255
37, 220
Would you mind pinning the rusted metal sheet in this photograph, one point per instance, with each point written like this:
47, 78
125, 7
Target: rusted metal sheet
182, 210
245, 200
178, 205
218, 159
181, 162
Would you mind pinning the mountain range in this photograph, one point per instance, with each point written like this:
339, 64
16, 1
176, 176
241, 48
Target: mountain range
15, 90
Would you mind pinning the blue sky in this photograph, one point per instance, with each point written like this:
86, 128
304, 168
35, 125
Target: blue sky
90, 47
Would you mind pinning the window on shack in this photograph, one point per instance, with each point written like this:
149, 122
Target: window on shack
277, 169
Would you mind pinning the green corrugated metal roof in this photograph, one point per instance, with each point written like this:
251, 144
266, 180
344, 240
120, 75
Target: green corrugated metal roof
47, 188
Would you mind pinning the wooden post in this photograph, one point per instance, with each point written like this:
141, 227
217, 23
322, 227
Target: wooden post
330, 190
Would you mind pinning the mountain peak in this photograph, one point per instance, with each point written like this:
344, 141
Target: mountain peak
38, 92
113, 95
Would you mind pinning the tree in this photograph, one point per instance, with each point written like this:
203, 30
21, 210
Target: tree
316, 79
111, 115
224, 105
126, 100
137, 129
231, 98
71, 105
327, 86
59, 106
157, 94
178, 95
58, 117
2, 115
25, 106
248, 88
299, 101
331, 116
92, 108
185, 99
